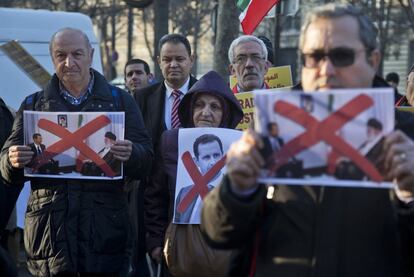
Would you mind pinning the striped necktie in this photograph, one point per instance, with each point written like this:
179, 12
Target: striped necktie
175, 121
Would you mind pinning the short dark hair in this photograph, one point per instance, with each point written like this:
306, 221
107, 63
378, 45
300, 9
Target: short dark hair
204, 139
367, 30
269, 47
110, 135
374, 123
36, 135
270, 125
175, 38
392, 77
137, 61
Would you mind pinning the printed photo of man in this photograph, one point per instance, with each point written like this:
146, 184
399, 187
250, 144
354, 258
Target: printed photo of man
208, 150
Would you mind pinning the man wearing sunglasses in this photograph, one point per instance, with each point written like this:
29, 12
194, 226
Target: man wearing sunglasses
321, 231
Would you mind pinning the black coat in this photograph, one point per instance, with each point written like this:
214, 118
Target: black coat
316, 231
8, 194
151, 101
79, 225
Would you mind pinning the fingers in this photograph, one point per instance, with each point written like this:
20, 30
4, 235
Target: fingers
244, 161
156, 254
399, 161
122, 150
20, 156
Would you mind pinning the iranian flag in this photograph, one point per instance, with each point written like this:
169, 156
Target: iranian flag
253, 12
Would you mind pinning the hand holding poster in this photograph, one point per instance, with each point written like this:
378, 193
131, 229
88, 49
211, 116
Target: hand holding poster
73, 145
330, 138
201, 166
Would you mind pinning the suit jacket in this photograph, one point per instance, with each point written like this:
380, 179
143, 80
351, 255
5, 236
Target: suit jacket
185, 216
151, 101
268, 145
34, 149
267, 150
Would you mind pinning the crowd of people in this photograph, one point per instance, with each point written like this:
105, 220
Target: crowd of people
92, 227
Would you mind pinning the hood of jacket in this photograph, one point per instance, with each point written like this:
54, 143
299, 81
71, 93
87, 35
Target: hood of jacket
211, 83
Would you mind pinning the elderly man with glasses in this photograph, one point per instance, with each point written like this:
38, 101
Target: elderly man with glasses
321, 231
248, 62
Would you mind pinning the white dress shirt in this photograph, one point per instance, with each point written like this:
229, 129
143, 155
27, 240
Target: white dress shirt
169, 100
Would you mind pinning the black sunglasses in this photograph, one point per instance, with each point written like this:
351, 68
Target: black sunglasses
339, 57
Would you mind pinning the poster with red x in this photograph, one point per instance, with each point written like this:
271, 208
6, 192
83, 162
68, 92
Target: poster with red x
330, 138
200, 168
73, 145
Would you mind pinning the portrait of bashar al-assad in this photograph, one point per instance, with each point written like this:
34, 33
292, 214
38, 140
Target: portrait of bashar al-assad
208, 150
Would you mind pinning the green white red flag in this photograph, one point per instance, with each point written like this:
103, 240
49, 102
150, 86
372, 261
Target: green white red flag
253, 12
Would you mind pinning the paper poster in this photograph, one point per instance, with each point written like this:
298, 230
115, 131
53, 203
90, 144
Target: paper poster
406, 109
200, 168
330, 138
73, 145
276, 77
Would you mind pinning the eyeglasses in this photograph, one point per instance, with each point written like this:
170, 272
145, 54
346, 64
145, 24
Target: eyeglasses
242, 59
339, 57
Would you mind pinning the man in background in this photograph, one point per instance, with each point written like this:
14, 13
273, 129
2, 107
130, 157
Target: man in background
137, 75
248, 62
393, 80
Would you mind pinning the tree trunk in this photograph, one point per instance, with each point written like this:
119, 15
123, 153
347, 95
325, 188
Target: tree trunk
195, 47
227, 30
161, 10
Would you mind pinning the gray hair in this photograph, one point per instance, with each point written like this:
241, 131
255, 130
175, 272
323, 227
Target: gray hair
367, 30
243, 39
85, 37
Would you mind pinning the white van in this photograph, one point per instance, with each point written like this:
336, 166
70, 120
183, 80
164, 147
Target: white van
33, 30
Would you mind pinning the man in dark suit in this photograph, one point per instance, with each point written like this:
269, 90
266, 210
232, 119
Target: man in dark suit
37, 147
208, 150
49, 167
137, 75
156, 101
272, 142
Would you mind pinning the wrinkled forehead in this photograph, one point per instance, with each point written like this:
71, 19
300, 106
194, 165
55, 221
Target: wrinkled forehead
173, 49
70, 40
328, 33
248, 48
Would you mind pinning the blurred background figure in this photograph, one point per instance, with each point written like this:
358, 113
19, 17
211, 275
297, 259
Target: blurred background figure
393, 79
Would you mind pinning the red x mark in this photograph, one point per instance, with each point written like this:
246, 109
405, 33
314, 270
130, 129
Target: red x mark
324, 130
75, 139
200, 181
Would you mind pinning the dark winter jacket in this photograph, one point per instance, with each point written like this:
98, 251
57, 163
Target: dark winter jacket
8, 195
314, 231
159, 197
75, 225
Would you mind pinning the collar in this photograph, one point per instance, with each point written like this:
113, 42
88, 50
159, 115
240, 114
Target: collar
77, 100
236, 88
183, 89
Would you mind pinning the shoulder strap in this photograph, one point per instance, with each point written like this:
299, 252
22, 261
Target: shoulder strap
30, 101
116, 94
